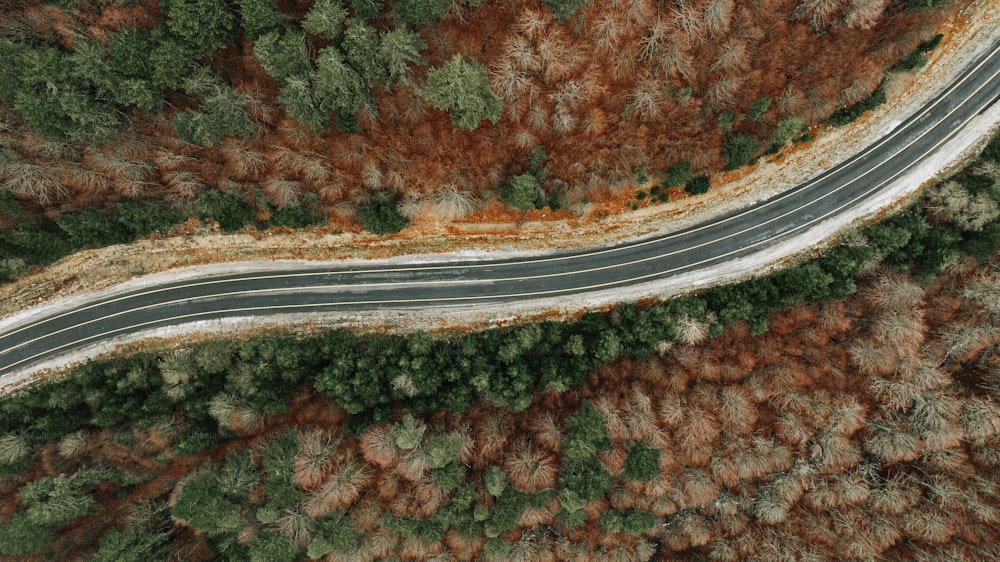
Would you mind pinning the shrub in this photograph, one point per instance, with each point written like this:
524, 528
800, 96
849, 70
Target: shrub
381, 215
759, 108
523, 192
740, 149
678, 175
725, 119
230, 211
849, 114
698, 185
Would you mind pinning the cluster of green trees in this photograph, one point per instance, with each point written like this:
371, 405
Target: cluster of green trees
38, 242
81, 94
339, 78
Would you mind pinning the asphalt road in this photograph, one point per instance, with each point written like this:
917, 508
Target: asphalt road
426, 284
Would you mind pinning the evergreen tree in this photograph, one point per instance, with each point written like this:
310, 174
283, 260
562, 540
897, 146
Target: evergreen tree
398, 49
463, 90
325, 19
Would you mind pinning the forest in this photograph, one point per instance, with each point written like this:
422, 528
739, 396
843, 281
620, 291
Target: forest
845, 408
123, 118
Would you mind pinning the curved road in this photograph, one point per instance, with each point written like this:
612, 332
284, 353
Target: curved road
349, 288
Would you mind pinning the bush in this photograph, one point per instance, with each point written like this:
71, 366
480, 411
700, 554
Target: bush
849, 114
698, 185
523, 192
725, 119
678, 175
759, 108
740, 149
230, 211
381, 216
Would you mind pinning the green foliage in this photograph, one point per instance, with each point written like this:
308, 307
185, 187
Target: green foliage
786, 130
759, 108
140, 218
571, 519
409, 433
21, 536
398, 49
171, 58
677, 175
421, 12
463, 90
536, 161
495, 480
303, 105
725, 119
587, 480
339, 86
133, 544
269, 546
496, 549
632, 522
261, 16
849, 114
442, 450
562, 10
381, 216
740, 149
202, 504
334, 533
230, 211
54, 500
56, 104
923, 4
93, 228
366, 9
586, 434
698, 185
361, 46
221, 114
279, 467
507, 510
205, 25
283, 55
522, 192
325, 19
642, 463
